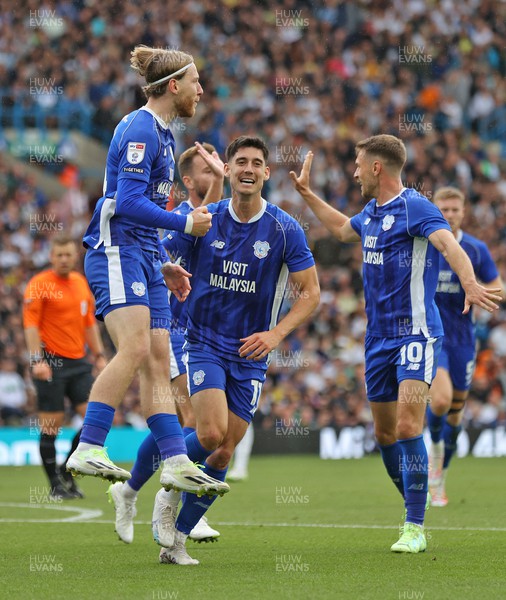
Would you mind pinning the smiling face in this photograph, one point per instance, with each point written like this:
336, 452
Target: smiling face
365, 175
187, 92
247, 171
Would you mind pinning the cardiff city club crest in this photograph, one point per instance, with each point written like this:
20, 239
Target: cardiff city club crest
138, 288
388, 221
261, 249
198, 377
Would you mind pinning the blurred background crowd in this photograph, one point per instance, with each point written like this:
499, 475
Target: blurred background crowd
317, 75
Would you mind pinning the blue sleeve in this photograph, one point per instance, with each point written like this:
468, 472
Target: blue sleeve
356, 223
298, 256
135, 159
179, 247
487, 271
423, 218
133, 205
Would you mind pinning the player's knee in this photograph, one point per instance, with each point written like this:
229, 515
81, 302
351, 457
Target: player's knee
406, 429
440, 404
137, 351
211, 438
385, 438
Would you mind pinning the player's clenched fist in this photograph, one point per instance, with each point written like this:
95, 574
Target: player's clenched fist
201, 221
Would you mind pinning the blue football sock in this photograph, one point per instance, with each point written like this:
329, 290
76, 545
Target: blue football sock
194, 507
168, 435
415, 472
147, 462
435, 425
97, 423
450, 435
392, 459
188, 430
196, 452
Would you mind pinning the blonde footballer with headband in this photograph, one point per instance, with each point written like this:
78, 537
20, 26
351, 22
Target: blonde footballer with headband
123, 268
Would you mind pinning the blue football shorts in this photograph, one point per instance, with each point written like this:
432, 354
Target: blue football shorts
388, 361
240, 380
122, 276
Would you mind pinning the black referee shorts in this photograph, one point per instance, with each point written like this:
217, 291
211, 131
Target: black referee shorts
71, 378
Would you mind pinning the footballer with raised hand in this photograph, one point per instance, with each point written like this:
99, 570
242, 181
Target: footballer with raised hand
404, 329
457, 359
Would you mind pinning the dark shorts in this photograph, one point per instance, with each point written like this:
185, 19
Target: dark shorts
71, 378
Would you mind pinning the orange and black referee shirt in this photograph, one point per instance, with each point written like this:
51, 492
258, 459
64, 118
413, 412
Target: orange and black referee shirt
62, 309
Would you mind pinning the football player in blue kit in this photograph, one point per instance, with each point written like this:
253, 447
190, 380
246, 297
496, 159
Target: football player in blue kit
239, 272
401, 233
124, 271
455, 368
201, 171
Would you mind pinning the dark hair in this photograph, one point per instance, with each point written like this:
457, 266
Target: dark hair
185, 162
389, 148
155, 63
246, 142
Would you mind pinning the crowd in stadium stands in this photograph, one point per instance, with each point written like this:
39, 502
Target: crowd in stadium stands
319, 77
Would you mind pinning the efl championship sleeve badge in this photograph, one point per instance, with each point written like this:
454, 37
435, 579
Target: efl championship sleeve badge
135, 152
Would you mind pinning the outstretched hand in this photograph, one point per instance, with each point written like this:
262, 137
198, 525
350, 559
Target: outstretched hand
213, 160
487, 298
301, 183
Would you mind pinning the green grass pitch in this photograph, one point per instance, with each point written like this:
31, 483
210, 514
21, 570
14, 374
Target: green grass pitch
299, 527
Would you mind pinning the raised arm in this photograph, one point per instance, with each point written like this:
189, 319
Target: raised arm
336, 222
444, 241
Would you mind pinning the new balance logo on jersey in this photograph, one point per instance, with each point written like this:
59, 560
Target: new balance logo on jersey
413, 367
418, 487
218, 244
367, 221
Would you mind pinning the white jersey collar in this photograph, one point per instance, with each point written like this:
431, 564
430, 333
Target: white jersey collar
254, 218
391, 199
158, 119
459, 236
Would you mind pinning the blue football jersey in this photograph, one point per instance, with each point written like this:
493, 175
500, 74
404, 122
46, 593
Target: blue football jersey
239, 274
459, 328
400, 266
179, 309
138, 177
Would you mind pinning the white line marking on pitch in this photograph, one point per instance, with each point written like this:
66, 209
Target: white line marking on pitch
92, 516
83, 514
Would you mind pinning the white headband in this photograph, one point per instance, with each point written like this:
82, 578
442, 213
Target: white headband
167, 77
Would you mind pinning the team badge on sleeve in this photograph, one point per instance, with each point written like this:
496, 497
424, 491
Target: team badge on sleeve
388, 221
135, 153
261, 249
